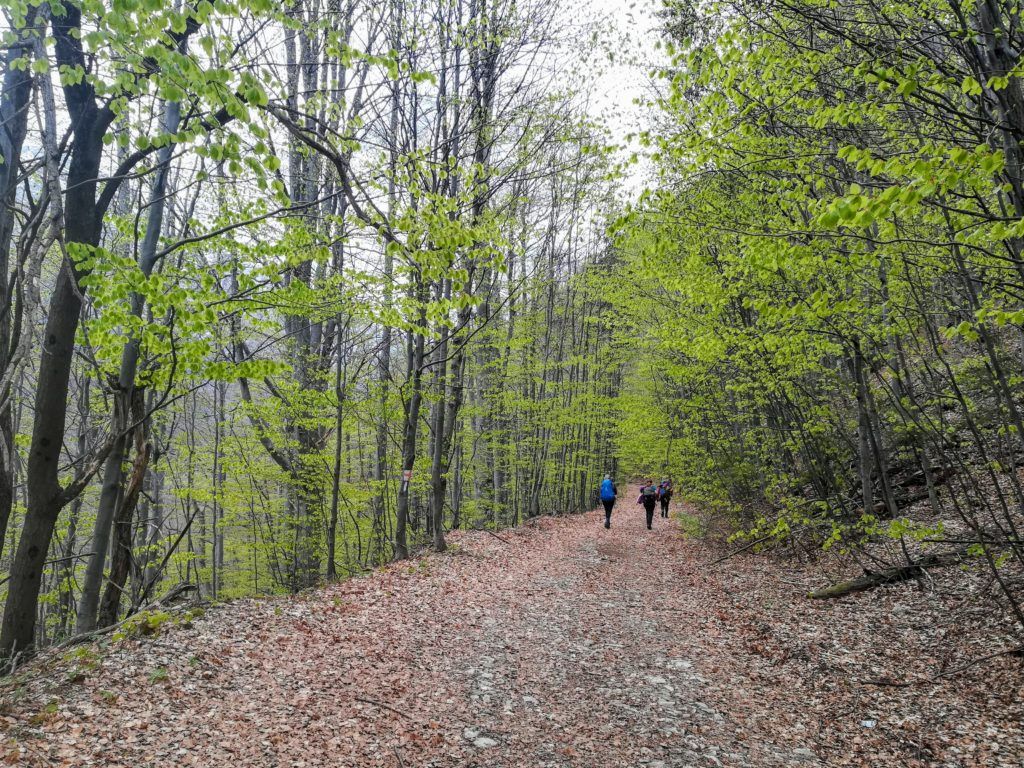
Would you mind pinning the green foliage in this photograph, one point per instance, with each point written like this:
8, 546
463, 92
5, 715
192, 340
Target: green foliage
691, 525
145, 624
47, 714
83, 660
820, 296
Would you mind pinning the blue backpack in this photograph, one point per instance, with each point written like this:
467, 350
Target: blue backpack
607, 490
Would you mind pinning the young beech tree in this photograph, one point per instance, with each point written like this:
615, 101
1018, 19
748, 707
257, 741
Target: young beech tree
106, 61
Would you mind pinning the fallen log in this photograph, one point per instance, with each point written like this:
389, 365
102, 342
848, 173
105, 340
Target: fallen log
872, 579
939, 476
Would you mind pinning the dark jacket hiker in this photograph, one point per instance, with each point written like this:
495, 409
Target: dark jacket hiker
649, 498
664, 496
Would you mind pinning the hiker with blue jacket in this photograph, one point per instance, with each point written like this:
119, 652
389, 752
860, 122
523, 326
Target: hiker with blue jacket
608, 494
649, 498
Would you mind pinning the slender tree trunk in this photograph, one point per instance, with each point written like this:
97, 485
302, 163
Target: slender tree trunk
122, 556
14, 109
410, 429
340, 387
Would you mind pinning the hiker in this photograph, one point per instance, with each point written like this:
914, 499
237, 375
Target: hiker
649, 498
608, 494
665, 496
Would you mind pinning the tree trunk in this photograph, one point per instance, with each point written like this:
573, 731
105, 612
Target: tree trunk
122, 557
113, 471
14, 103
409, 431
82, 227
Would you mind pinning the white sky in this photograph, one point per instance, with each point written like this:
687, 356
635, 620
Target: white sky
633, 34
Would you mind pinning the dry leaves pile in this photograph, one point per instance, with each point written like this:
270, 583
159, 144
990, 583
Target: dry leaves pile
562, 644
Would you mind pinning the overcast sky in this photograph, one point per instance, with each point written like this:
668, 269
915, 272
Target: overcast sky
633, 32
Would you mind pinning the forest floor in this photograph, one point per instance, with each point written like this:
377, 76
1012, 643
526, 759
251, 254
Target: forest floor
558, 644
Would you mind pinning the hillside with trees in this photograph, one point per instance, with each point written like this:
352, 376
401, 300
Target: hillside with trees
289, 295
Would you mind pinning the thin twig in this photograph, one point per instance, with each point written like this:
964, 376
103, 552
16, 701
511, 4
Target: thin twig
5, 579
1005, 652
499, 538
744, 548
934, 679
382, 705
892, 683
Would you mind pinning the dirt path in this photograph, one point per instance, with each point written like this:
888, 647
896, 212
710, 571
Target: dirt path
558, 645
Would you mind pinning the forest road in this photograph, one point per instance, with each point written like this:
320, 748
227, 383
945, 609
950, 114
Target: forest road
560, 644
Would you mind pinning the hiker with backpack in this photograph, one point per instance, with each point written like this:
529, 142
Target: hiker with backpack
649, 498
665, 496
608, 494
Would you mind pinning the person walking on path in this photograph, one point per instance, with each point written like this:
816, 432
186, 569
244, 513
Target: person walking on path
665, 496
649, 498
608, 494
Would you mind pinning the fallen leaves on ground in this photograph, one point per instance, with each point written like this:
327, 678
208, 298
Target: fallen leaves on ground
559, 644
